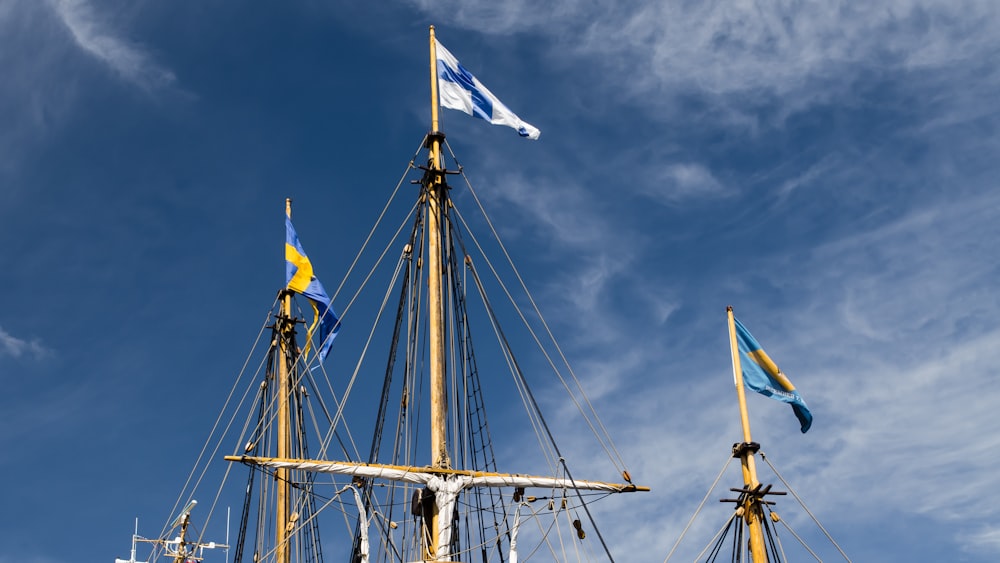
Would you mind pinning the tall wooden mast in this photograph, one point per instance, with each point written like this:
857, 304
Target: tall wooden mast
286, 326
436, 200
752, 511
440, 480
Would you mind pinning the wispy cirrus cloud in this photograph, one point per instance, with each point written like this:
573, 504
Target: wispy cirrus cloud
559, 213
96, 35
685, 181
799, 52
891, 340
899, 335
868, 136
14, 347
985, 540
43, 78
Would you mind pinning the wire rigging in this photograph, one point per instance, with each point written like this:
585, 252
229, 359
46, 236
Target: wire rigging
484, 522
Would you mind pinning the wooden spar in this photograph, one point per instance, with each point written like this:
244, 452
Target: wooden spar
435, 201
282, 481
752, 511
410, 474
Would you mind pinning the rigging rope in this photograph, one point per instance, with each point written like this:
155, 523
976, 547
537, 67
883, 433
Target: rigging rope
378, 221
512, 363
804, 507
501, 339
245, 515
537, 410
772, 536
775, 518
343, 401
604, 441
474, 425
718, 537
470, 426
184, 489
403, 265
801, 541
520, 374
729, 460
606, 435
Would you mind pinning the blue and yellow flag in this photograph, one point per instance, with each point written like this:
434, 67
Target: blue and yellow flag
762, 375
299, 278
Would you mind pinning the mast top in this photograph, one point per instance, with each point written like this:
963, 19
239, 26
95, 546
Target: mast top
434, 84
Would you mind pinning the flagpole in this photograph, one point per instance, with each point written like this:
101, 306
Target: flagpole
738, 376
438, 400
434, 97
751, 509
282, 481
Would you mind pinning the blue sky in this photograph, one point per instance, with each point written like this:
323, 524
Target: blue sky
828, 169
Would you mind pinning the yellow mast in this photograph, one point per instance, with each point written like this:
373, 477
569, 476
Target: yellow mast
435, 200
752, 511
282, 516
182, 544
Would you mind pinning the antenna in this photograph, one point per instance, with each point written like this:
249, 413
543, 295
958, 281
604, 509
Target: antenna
184, 513
135, 537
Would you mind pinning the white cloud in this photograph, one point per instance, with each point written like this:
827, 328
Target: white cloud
895, 338
96, 35
15, 347
685, 181
497, 17
892, 339
891, 322
801, 52
814, 172
919, 275
564, 219
985, 540
43, 81
657, 299
29, 102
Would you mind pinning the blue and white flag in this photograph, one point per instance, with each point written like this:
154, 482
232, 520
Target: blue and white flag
762, 375
458, 89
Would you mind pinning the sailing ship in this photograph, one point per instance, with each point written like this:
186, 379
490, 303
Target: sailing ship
429, 484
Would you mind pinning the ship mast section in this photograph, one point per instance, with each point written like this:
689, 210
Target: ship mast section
282, 482
436, 200
752, 509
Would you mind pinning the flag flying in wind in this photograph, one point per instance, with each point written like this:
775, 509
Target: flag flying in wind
300, 279
762, 375
458, 89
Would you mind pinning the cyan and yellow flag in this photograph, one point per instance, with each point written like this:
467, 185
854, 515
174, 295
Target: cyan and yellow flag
300, 279
762, 375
